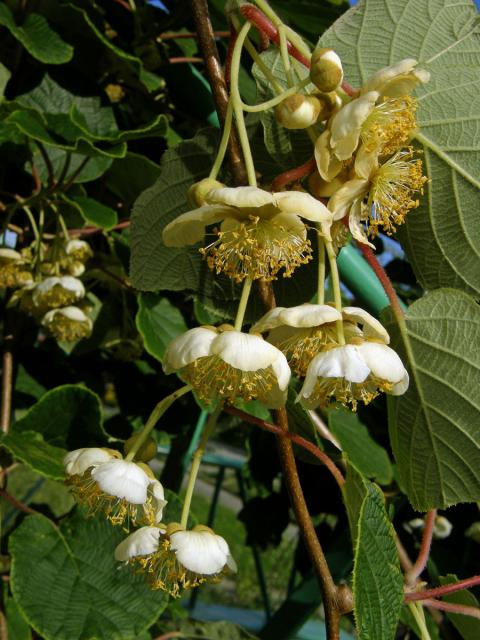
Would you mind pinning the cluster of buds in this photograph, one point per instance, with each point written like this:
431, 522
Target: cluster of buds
47, 286
127, 493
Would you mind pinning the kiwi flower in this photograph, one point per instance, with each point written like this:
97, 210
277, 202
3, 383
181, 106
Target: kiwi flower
221, 363
174, 559
68, 324
260, 232
55, 292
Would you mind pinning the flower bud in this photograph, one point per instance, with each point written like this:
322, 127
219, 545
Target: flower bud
14, 272
78, 250
329, 103
297, 111
198, 191
326, 71
147, 451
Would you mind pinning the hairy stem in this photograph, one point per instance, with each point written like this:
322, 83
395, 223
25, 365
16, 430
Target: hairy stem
7, 383
294, 175
451, 607
443, 590
421, 561
384, 280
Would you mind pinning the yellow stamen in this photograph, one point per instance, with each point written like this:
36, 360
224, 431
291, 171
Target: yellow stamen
212, 378
328, 390
392, 194
257, 249
390, 125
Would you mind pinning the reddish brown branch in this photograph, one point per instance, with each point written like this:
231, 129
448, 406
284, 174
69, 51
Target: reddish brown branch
302, 442
185, 60
91, 230
7, 382
294, 175
383, 278
452, 607
421, 561
443, 590
16, 503
190, 35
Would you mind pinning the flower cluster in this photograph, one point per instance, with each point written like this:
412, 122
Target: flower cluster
47, 286
128, 494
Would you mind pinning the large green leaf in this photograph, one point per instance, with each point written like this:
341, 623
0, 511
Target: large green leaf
95, 212
377, 579
38, 38
158, 321
354, 492
441, 237
68, 585
434, 427
18, 628
69, 416
129, 176
30, 447
369, 457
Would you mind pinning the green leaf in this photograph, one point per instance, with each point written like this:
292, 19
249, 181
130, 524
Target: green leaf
38, 38
441, 237
369, 457
354, 492
68, 585
129, 176
288, 148
93, 169
94, 212
158, 322
468, 627
434, 426
310, 17
30, 447
17, 626
5, 76
377, 579
69, 416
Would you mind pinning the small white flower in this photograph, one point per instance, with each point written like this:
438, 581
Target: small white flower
353, 372
122, 479
442, 528
58, 291
79, 250
68, 324
347, 124
261, 232
9, 255
142, 542
201, 551
78, 461
229, 365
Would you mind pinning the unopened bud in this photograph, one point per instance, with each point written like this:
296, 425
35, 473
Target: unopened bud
198, 191
297, 111
147, 451
326, 71
329, 103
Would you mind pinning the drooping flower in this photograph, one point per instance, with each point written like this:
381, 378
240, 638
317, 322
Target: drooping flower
302, 332
221, 363
176, 559
68, 324
15, 271
55, 292
352, 373
260, 232
384, 199
124, 491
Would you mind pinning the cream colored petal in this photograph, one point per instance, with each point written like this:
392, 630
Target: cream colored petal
347, 123
290, 222
372, 328
365, 162
400, 387
242, 197
78, 461
189, 227
122, 479
385, 75
341, 201
383, 361
355, 225
201, 552
244, 351
328, 164
157, 492
187, 347
281, 370
9, 255
302, 204
309, 315
268, 321
142, 542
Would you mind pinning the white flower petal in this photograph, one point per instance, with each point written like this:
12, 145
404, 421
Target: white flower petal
309, 315
9, 255
355, 217
268, 321
189, 227
78, 461
385, 75
244, 351
347, 123
142, 542
122, 479
156, 489
328, 164
201, 552
302, 204
187, 347
365, 162
383, 361
372, 328
400, 387
343, 199
242, 197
